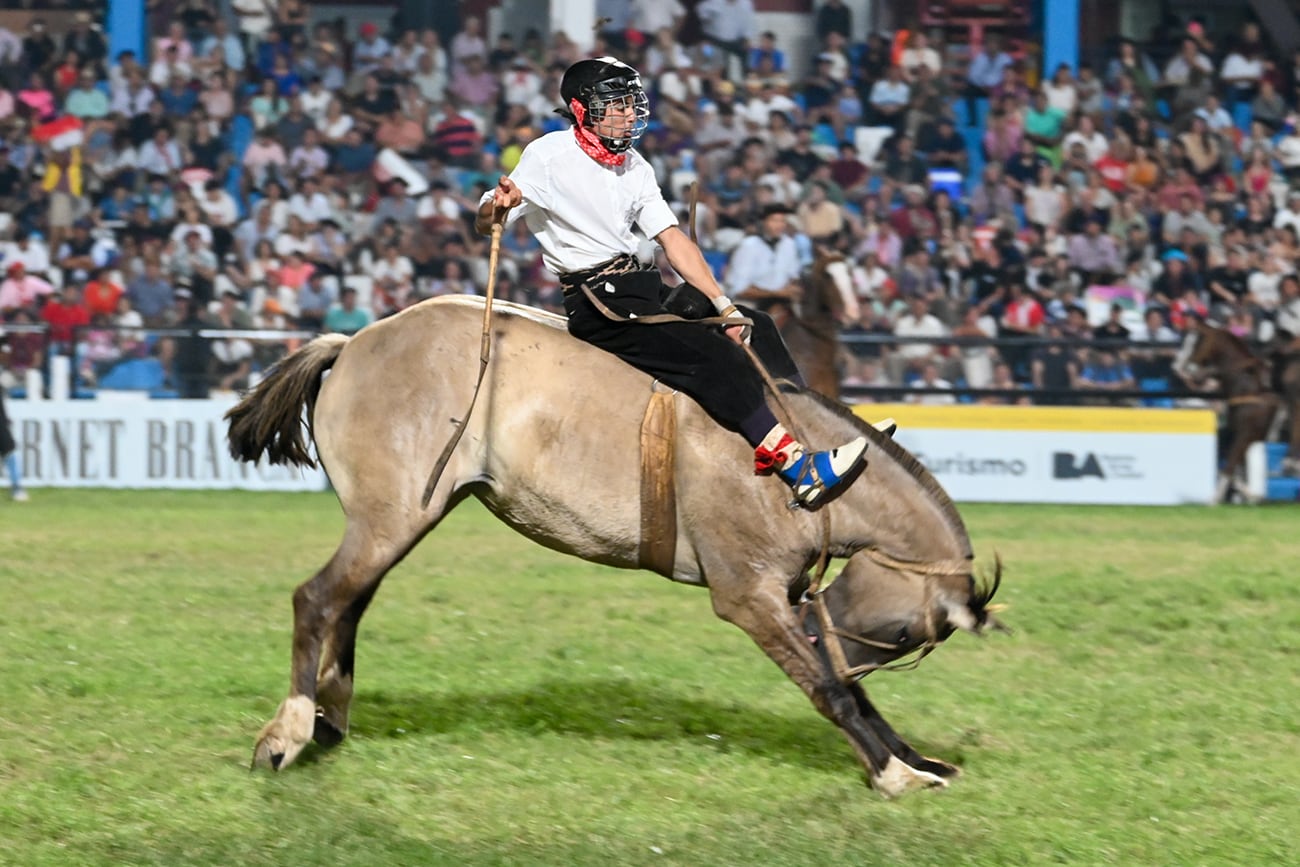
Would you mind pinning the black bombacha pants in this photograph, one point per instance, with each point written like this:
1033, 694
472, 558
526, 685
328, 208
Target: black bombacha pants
699, 360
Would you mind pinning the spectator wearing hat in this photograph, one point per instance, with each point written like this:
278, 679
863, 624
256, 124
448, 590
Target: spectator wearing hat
765, 265
369, 48
21, 290
346, 317
78, 252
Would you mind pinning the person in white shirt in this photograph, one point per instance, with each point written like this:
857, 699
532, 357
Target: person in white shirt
580, 192
766, 265
731, 25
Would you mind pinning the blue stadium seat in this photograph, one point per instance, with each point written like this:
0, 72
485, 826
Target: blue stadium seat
1155, 383
717, 262
135, 374
824, 134
1241, 116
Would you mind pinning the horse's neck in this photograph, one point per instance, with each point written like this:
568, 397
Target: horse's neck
896, 504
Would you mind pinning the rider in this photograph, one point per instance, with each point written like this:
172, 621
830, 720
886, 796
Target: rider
580, 191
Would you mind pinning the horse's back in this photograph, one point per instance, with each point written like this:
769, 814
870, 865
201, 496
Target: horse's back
554, 438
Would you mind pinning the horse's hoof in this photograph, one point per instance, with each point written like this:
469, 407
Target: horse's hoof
326, 733
284, 737
898, 778
939, 768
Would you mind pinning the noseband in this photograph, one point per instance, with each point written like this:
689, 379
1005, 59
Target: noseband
833, 637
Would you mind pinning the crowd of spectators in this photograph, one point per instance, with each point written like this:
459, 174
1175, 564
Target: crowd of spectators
239, 177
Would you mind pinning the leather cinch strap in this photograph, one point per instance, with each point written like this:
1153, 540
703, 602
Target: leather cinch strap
659, 318
658, 548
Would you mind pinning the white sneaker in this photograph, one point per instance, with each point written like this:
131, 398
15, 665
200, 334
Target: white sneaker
20, 496
815, 474
886, 426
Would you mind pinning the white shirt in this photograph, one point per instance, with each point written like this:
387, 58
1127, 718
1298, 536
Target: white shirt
314, 104
311, 209
728, 20
582, 212
765, 266
927, 326
222, 212
35, 259
651, 16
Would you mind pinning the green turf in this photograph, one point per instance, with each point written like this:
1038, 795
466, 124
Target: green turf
518, 707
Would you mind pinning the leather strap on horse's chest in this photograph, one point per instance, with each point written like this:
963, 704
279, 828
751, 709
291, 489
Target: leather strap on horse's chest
658, 549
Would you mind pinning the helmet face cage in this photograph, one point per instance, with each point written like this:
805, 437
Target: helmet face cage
615, 91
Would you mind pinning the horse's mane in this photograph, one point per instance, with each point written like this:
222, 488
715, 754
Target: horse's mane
903, 458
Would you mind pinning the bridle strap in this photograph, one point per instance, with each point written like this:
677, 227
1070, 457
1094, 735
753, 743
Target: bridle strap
833, 637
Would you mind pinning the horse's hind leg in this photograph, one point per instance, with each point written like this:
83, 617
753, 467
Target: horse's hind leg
337, 594
769, 620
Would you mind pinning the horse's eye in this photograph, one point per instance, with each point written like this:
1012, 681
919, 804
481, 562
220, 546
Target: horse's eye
902, 636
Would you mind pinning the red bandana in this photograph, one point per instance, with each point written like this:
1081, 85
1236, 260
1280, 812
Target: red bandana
589, 141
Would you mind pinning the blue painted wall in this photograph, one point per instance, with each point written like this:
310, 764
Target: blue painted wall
124, 27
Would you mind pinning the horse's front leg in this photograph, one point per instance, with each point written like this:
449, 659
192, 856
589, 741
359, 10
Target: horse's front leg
896, 744
764, 612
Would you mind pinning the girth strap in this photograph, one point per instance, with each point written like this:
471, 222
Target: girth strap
658, 548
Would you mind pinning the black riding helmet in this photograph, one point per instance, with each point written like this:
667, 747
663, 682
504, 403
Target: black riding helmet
598, 82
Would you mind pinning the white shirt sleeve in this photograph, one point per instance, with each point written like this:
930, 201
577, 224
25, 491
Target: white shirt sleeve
653, 214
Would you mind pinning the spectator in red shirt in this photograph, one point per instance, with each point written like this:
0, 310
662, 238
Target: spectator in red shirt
456, 137
101, 293
1113, 165
64, 313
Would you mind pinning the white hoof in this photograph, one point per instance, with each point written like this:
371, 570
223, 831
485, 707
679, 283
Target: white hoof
898, 778
284, 737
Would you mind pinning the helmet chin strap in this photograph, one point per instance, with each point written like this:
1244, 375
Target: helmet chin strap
589, 141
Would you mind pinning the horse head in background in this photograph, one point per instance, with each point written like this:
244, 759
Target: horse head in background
810, 323
1215, 353
553, 452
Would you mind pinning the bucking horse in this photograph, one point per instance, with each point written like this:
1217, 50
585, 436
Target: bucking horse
551, 449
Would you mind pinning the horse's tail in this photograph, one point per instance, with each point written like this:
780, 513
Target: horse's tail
269, 418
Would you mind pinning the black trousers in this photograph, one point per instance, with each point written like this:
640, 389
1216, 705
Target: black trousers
696, 359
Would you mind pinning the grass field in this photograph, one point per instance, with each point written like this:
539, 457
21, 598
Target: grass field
518, 707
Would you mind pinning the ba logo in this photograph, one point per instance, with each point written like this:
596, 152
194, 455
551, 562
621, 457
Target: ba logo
1066, 465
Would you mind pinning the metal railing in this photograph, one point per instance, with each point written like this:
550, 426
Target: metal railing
146, 359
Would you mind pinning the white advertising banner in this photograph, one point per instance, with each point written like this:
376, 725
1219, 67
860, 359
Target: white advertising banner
1061, 454
132, 443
